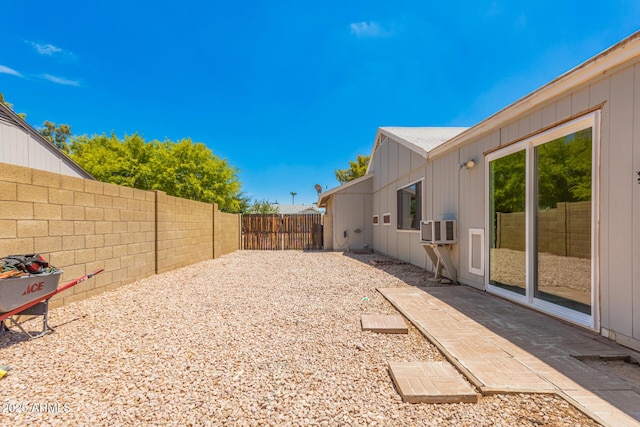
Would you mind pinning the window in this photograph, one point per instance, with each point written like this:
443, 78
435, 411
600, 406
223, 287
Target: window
376, 220
409, 207
386, 219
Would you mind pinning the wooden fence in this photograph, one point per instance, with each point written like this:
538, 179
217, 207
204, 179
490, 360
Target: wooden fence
282, 232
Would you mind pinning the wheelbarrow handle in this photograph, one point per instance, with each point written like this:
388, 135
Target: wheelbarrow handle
76, 281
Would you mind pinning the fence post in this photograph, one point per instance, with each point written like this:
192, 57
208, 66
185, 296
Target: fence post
240, 246
155, 255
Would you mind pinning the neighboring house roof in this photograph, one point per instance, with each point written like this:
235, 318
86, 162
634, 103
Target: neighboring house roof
297, 209
9, 117
323, 197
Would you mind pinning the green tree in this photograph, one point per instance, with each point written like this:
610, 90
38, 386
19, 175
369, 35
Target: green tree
108, 159
563, 174
293, 197
182, 169
58, 135
262, 207
191, 170
355, 170
9, 105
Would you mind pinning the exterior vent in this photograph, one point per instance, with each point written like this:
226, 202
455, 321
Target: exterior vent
438, 232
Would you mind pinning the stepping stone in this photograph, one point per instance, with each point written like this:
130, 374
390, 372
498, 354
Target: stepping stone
430, 382
384, 324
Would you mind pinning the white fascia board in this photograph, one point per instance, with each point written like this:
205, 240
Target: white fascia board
322, 197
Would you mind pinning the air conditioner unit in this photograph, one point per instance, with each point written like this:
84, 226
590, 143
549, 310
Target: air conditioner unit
438, 232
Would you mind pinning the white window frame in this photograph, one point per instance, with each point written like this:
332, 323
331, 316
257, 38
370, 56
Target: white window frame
398, 188
473, 270
383, 218
588, 120
376, 220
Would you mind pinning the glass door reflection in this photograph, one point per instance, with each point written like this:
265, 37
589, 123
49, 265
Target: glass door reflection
507, 198
563, 221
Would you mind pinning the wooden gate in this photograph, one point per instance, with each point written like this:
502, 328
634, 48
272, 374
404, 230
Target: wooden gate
281, 232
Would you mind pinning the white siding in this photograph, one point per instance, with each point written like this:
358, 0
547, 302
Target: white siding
22, 148
403, 168
354, 206
472, 202
635, 254
618, 211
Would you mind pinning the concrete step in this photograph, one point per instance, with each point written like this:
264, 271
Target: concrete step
431, 382
384, 324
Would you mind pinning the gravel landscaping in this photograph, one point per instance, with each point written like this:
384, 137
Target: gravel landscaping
252, 338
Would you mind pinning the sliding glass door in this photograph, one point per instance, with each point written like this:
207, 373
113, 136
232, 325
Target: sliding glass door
563, 169
541, 221
507, 202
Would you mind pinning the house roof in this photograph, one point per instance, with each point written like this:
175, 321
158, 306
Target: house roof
418, 139
323, 197
296, 209
421, 139
8, 116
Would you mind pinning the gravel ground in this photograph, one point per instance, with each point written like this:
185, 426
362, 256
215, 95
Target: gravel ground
252, 338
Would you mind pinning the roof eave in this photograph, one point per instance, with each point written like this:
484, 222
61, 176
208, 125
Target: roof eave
324, 197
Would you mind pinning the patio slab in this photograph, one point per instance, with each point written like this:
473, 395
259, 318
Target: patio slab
430, 382
505, 348
384, 324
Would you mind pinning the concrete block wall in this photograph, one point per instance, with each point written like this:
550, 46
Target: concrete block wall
82, 225
228, 232
185, 230
564, 230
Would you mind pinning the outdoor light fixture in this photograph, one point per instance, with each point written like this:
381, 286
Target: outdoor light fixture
468, 164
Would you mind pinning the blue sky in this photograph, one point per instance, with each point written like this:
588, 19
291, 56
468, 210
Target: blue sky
288, 91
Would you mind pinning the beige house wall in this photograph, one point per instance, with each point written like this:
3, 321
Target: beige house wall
82, 225
394, 167
349, 211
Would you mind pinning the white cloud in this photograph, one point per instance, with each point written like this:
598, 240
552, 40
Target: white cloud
368, 29
47, 49
7, 70
60, 80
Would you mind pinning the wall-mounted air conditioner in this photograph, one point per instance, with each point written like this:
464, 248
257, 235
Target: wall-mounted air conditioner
438, 232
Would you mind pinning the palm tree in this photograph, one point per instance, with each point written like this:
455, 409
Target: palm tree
293, 197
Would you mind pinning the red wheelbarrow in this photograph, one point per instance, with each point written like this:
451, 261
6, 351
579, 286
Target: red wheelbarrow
29, 296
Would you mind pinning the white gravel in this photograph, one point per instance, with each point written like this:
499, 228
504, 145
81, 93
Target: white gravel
252, 338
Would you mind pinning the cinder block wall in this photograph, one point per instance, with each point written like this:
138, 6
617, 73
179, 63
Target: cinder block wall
82, 225
185, 230
228, 232
564, 230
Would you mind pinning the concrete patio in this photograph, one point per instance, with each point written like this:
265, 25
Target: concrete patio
504, 348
